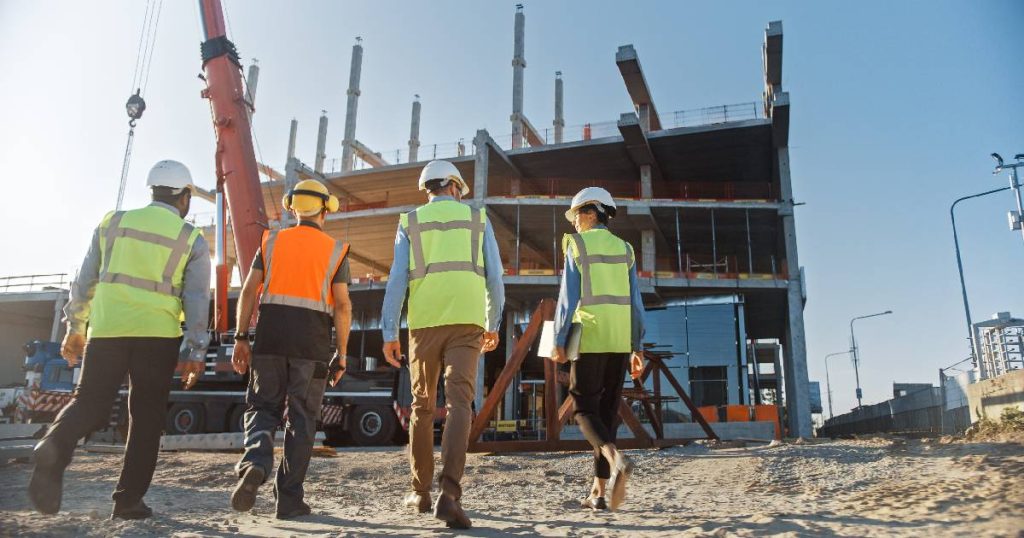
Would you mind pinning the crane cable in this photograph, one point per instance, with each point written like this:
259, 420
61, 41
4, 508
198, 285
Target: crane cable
136, 105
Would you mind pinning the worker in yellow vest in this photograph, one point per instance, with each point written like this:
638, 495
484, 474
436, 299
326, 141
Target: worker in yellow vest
600, 298
145, 270
447, 257
304, 273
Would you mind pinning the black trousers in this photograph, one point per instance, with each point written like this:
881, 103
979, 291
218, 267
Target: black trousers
276, 380
149, 364
595, 382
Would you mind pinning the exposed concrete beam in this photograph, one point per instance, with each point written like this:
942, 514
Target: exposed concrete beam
503, 228
269, 171
641, 218
374, 212
208, 195
637, 146
636, 84
780, 119
489, 142
373, 264
305, 172
682, 204
772, 54
365, 153
531, 133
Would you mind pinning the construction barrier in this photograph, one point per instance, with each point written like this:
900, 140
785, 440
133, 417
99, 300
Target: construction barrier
743, 413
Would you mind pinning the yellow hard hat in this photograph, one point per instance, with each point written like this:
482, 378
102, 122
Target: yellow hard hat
309, 197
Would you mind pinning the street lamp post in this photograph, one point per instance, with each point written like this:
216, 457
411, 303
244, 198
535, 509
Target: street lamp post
828, 382
853, 351
960, 265
1015, 217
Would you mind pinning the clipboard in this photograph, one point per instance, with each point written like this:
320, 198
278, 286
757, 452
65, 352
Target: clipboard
547, 341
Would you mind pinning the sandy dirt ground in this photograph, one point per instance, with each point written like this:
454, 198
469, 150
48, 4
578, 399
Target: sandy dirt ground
874, 487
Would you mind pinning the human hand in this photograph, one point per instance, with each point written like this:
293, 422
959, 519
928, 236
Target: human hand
72, 348
191, 371
558, 355
336, 368
393, 353
241, 356
636, 364
490, 342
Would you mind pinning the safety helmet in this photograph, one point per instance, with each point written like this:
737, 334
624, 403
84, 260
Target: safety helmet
170, 174
592, 195
442, 170
309, 197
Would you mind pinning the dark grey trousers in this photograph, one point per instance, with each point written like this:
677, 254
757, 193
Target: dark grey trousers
273, 380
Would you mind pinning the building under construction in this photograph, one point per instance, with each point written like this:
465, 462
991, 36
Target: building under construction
704, 196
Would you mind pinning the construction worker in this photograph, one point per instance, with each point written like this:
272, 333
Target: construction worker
447, 257
304, 274
599, 296
144, 269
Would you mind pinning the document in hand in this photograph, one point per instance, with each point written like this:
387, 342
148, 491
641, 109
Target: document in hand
547, 341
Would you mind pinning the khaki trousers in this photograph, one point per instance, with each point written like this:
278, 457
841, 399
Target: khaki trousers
455, 349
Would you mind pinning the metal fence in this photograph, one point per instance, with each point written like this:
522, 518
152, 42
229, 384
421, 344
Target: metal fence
23, 283
918, 413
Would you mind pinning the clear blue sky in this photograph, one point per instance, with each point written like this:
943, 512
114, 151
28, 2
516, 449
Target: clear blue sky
896, 106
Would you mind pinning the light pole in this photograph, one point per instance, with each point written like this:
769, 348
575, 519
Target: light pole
853, 351
1015, 216
828, 383
960, 265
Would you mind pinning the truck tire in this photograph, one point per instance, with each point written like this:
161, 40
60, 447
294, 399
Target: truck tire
372, 425
185, 419
236, 419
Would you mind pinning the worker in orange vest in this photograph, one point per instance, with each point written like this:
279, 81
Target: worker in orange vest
305, 275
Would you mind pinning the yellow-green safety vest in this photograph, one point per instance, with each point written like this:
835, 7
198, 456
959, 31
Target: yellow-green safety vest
447, 283
604, 312
143, 253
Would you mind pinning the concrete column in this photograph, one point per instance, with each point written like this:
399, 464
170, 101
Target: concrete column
643, 112
480, 167
798, 403
478, 394
291, 178
58, 314
291, 140
352, 106
559, 122
250, 86
414, 132
321, 143
647, 252
646, 185
518, 67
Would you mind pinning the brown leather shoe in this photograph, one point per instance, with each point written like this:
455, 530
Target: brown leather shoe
594, 502
417, 501
449, 510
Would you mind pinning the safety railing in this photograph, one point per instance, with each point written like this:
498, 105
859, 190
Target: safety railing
23, 283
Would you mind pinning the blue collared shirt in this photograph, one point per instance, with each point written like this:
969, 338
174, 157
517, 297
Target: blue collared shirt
398, 281
195, 293
569, 299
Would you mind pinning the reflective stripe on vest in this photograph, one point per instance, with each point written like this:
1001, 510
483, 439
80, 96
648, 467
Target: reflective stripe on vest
325, 303
421, 268
584, 261
179, 249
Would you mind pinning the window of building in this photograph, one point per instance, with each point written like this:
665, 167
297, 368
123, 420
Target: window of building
709, 385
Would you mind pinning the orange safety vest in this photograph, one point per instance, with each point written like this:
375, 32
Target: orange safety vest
299, 264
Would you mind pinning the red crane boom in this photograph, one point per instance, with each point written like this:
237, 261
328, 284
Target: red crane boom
238, 182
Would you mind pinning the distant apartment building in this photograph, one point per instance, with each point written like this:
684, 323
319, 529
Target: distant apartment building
999, 345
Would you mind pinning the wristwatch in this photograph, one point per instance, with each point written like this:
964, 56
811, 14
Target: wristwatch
241, 336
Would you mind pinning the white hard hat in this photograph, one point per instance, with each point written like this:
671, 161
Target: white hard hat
442, 170
591, 195
170, 174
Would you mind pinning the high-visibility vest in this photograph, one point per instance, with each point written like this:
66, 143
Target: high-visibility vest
299, 264
604, 312
143, 253
446, 265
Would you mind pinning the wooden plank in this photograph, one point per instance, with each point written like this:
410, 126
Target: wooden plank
565, 411
570, 445
544, 311
655, 420
551, 423
694, 412
633, 423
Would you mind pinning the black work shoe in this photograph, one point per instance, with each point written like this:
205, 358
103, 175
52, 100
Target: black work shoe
420, 502
594, 503
301, 510
138, 510
244, 495
447, 509
47, 484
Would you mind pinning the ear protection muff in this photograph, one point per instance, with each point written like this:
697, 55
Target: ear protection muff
331, 202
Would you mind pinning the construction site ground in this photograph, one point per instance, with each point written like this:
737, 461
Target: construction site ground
866, 487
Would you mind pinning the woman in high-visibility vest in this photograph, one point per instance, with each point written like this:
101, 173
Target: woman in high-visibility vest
599, 298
